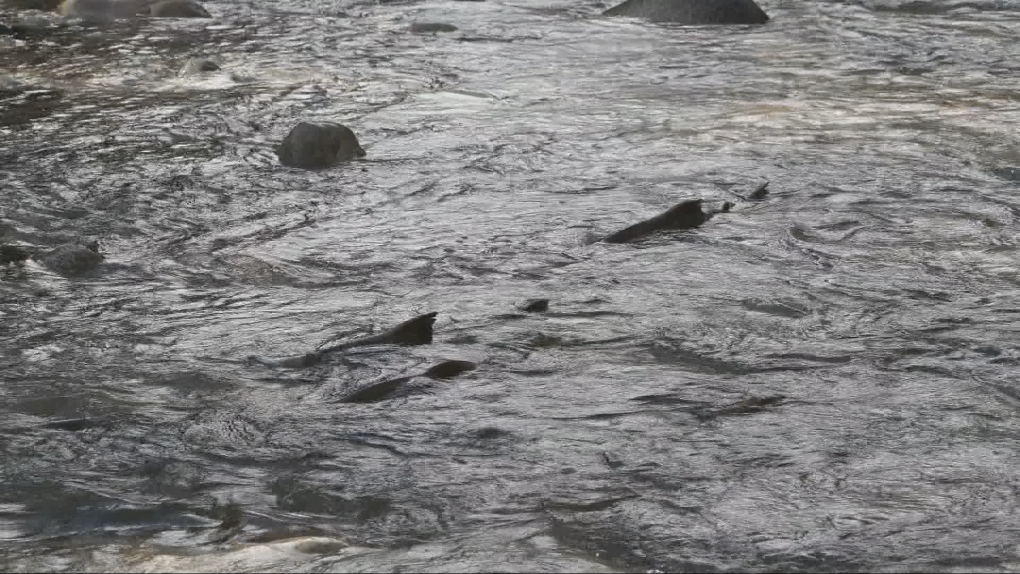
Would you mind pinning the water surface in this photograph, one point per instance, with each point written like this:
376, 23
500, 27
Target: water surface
822, 380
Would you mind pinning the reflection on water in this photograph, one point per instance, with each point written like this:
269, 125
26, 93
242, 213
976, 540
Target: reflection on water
820, 380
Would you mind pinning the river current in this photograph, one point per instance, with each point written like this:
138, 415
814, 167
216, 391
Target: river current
825, 379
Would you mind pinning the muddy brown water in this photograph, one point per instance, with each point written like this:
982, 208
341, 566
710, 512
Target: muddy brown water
825, 379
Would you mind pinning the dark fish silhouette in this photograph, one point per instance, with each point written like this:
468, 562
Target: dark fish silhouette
12, 254
686, 215
417, 331
536, 306
380, 391
692, 12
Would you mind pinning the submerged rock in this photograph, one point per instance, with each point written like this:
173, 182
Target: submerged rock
318, 146
198, 66
692, 12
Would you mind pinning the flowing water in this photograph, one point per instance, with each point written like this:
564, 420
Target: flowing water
823, 379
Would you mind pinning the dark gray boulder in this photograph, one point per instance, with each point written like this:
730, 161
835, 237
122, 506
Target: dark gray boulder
692, 12
318, 145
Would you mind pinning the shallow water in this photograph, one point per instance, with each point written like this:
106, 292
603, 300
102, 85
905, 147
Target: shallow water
868, 303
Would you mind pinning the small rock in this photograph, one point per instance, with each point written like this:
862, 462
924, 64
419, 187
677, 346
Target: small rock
6, 30
431, 27
178, 9
318, 145
198, 66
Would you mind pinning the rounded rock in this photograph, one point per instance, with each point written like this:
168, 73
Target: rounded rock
318, 145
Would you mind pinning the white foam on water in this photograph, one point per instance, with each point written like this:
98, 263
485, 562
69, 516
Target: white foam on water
295, 554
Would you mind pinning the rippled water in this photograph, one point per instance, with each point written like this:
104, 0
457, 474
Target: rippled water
825, 379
